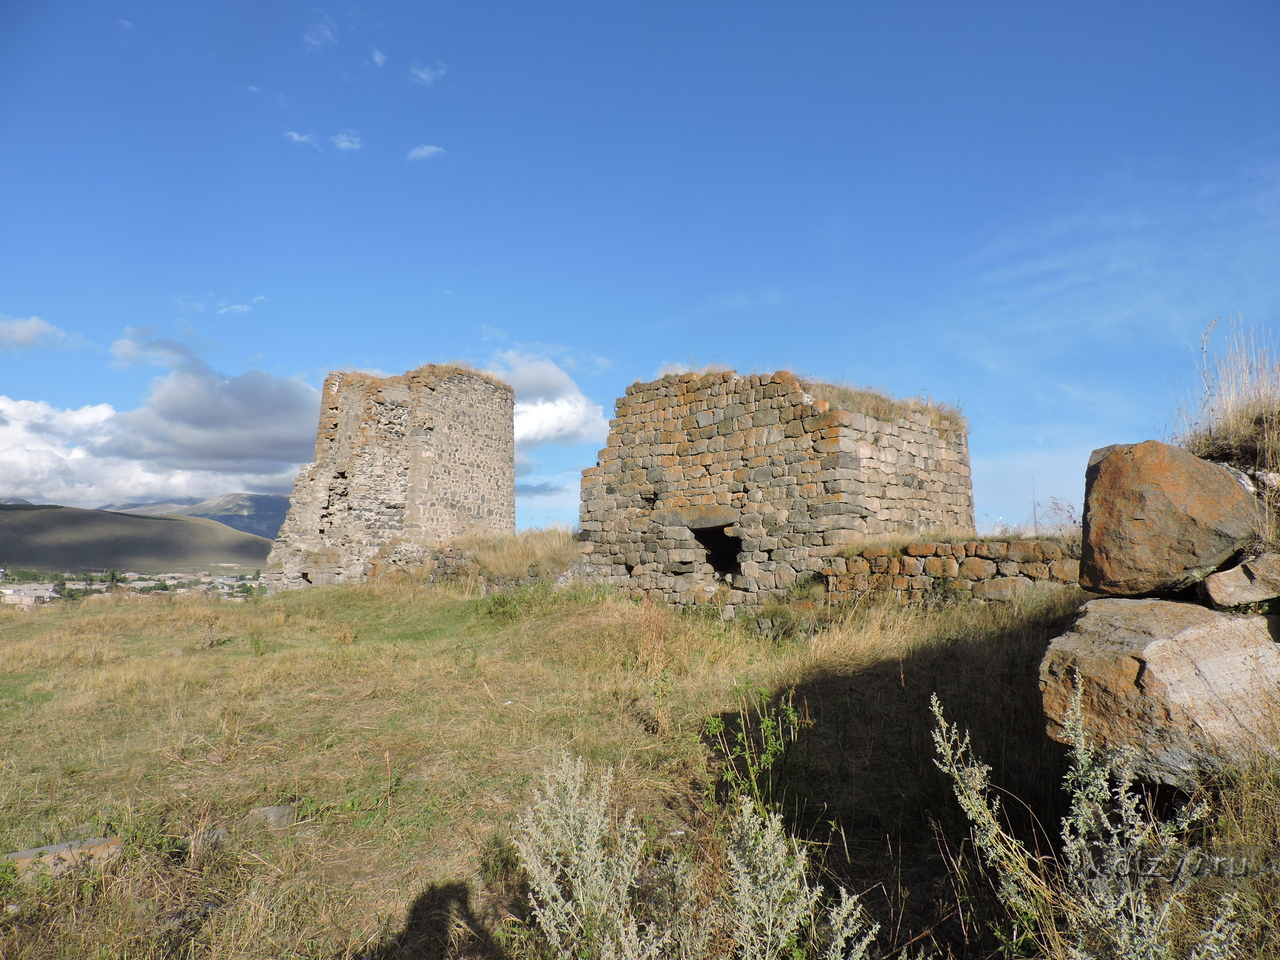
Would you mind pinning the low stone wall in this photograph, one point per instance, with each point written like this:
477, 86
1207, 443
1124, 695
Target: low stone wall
979, 569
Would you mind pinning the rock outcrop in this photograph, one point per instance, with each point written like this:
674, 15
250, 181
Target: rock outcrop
1187, 689
1157, 519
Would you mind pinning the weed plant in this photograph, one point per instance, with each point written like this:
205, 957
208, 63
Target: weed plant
1117, 890
600, 891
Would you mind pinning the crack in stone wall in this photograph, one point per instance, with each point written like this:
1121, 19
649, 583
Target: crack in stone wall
401, 464
790, 480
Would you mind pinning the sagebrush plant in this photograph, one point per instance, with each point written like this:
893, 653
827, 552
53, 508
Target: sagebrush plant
1119, 888
598, 890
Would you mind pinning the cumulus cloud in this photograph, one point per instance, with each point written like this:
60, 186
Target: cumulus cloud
200, 433
347, 141
321, 34
424, 152
549, 406
307, 138
425, 75
27, 334
379, 58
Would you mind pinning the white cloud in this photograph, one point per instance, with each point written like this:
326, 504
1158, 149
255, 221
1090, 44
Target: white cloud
549, 406
200, 433
235, 308
126, 25
379, 58
307, 138
320, 34
425, 75
347, 141
28, 334
424, 152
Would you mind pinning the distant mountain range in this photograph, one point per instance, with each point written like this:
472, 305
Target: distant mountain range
260, 514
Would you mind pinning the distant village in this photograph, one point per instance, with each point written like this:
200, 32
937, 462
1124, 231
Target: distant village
20, 588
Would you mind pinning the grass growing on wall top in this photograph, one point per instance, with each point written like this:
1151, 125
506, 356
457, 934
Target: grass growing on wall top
946, 419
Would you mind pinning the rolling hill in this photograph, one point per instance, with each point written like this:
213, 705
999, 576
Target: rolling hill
258, 513
47, 537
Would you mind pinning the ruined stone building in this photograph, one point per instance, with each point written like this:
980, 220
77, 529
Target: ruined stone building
725, 487
401, 464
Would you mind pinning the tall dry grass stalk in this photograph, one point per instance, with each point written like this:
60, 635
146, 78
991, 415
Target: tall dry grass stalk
1236, 419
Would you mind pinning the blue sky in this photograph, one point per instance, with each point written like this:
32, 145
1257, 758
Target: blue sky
1030, 210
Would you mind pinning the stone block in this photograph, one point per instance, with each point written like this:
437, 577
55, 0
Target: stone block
941, 567
976, 568
1002, 588
1022, 551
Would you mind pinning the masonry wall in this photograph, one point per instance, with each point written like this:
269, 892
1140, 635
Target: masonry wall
401, 464
959, 570
725, 487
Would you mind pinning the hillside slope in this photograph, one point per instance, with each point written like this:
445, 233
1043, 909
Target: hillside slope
260, 514
68, 538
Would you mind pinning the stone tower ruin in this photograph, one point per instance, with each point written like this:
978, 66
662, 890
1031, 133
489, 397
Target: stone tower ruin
729, 488
401, 464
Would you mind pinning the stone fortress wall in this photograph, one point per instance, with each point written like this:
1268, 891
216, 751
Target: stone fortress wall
724, 487
401, 464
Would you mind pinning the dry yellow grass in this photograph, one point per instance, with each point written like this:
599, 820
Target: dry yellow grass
543, 552
1237, 417
946, 419
408, 723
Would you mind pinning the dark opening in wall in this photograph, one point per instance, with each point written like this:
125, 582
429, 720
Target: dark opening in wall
722, 550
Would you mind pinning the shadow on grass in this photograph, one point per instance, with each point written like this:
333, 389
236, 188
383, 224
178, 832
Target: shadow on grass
854, 770
440, 925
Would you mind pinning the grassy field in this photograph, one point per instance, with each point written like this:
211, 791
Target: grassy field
53, 538
408, 724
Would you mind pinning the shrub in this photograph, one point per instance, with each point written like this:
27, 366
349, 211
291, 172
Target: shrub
599, 892
1118, 889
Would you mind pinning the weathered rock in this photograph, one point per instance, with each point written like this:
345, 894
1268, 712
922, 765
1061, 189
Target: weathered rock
1157, 519
1188, 689
62, 858
1251, 582
1002, 588
278, 816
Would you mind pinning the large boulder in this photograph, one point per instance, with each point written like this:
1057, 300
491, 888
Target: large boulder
1187, 689
1157, 519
